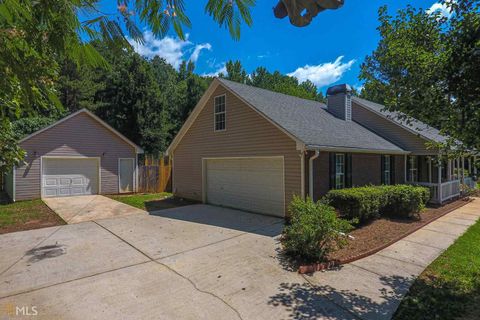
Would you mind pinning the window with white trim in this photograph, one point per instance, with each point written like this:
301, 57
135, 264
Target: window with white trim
339, 171
412, 169
387, 169
219, 113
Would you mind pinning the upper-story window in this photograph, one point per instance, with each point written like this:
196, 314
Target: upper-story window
219, 113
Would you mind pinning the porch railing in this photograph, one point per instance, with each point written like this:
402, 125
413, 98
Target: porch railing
469, 182
448, 190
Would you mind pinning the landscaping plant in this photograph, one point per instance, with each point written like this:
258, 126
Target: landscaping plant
314, 231
363, 203
371, 202
405, 201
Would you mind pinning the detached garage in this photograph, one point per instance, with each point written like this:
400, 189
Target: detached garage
78, 155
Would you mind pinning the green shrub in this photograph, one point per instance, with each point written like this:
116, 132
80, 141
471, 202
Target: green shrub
362, 203
405, 201
366, 203
314, 231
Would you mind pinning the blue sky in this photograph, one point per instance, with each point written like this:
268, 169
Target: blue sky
330, 50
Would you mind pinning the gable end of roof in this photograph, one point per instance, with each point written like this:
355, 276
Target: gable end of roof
85, 111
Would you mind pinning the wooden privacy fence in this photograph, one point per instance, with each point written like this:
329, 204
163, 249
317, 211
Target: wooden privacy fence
155, 175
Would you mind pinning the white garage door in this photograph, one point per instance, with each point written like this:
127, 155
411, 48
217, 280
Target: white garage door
69, 177
252, 184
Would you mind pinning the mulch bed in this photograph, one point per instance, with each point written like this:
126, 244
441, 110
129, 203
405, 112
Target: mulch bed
379, 234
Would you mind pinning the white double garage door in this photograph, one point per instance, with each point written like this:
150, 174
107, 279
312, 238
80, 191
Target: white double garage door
63, 177
253, 184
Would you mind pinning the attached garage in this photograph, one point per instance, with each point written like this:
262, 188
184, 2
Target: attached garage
253, 184
231, 154
78, 155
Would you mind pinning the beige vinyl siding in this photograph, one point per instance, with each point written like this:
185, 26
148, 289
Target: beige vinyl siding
247, 134
79, 136
389, 130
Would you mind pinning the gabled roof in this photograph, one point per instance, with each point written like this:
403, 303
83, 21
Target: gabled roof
85, 111
413, 125
309, 121
305, 121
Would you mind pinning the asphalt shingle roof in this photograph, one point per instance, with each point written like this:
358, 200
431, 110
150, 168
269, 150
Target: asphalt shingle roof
415, 125
308, 120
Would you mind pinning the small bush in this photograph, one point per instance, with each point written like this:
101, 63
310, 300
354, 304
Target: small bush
366, 203
405, 201
363, 203
314, 231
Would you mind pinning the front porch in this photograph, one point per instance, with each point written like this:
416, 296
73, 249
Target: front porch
446, 178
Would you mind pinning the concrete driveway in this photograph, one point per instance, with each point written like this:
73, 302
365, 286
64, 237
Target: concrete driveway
86, 208
202, 262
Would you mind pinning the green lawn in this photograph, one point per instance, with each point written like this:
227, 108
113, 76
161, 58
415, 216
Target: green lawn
151, 201
450, 287
25, 215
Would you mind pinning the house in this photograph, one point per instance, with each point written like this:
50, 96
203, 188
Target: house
78, 155
254, 149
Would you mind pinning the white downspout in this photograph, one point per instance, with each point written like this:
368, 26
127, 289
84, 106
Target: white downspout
302, 173
310, 173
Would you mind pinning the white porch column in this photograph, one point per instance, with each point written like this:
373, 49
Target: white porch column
449, 170
429, 169
439, 161
462, 175
475, 165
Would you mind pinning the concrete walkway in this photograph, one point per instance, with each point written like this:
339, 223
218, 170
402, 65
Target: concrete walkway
373, 287
87, 208
203, 262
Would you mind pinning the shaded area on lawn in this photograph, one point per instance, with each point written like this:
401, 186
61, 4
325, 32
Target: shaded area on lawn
152, 201
27, 215
450, 287
380, 232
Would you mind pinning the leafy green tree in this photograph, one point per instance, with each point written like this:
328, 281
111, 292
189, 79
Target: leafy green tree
236, 72
462, 71
11, 153
405, 72
428, 66
25, 126
275, 81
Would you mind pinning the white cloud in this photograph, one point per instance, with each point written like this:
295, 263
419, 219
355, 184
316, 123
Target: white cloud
359, 87
173, 50
198, 49
221, 69
442, 8
323, 74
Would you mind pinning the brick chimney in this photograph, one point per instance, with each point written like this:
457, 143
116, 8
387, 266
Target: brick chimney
339, 101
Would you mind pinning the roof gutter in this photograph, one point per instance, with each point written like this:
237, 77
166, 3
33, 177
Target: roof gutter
354, 150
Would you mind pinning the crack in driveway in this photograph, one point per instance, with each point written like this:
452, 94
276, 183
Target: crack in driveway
176, 272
